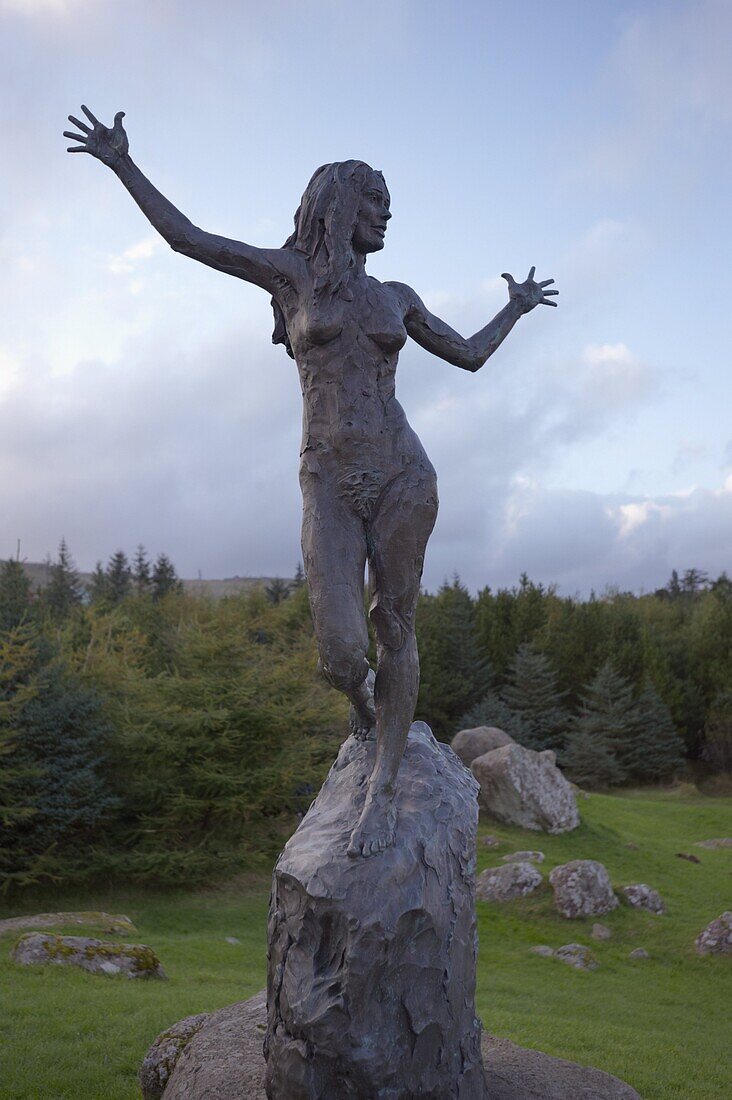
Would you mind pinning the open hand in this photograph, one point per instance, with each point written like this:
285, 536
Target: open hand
104, 144
529, 294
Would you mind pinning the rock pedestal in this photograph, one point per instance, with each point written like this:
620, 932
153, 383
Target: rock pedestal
372, 960
219, 1057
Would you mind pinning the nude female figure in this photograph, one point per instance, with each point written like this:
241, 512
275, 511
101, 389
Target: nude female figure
369, 490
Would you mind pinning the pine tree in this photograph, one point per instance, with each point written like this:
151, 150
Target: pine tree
141, 571
99, 585
694, 581
17, 662
164, 578
674, 585
588, 761
718, 733
299, 578
533, 694
656, 751
493, 711
277, 590
15, 594
607, 723
119, 578
64, 590
454, 675
61, 729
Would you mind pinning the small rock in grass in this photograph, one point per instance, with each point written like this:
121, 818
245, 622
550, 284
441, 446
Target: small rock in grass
582, 889
642, 896
135, 960
716, 939
116, 924
543, 949
716, 842
492, 842
601, 932
514, 880
574, 954
639, 953
632, 847
232, 939
524, 857
686, 855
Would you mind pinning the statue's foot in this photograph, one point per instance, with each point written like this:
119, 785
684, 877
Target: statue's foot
362, 719
375, 830
362, 726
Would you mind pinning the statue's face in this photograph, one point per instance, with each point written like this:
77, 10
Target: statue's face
373, 214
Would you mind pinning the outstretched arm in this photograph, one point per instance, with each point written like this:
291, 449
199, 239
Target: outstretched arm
434, 335
264, 266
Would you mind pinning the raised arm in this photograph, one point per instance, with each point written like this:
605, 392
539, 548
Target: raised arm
434, 335
266, 267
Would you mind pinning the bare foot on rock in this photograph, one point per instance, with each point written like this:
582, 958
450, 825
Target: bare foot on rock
375, 830
362, 719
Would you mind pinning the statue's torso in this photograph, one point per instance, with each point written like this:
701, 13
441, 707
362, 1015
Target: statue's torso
355, 433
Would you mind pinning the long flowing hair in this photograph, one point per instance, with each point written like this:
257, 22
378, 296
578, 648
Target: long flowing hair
324, 225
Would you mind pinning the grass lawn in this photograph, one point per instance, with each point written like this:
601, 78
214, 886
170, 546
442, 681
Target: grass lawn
662, 1024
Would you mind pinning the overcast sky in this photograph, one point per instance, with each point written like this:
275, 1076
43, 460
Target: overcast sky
140, 397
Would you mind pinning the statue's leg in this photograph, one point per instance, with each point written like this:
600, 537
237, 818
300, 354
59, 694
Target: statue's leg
398, 534
334, 556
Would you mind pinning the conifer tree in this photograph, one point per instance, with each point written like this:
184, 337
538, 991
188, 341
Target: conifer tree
718, 733
606, 725
141, 571
15, 594
656, 750
454, 675
119, 578
164, 578
64, 590
588, 761
61, 731
17, 661
277, 590
491, 710
674, 585
533, 694
299, 578
99, 585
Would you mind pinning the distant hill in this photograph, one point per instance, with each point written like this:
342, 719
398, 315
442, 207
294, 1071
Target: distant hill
39, 575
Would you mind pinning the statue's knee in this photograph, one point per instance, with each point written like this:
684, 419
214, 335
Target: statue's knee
392, 630
343, 667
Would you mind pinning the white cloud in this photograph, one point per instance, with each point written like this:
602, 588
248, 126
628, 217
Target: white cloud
126, 262
616, 377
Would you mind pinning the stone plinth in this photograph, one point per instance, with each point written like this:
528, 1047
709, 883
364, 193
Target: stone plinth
372, 960
219, 1057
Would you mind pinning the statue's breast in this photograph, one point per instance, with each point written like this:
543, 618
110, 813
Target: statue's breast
367, 309
381, 320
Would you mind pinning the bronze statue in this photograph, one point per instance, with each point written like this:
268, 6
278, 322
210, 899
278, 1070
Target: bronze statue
369, 490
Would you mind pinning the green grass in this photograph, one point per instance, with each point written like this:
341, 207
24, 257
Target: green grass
660, 1024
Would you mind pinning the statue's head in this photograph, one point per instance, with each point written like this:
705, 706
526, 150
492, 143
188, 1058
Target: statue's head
343, 212
345, 207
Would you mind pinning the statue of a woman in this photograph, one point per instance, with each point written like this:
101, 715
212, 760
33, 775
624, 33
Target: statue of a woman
369, 490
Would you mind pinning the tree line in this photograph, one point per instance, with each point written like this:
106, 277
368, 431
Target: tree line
166, 737
622, 687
